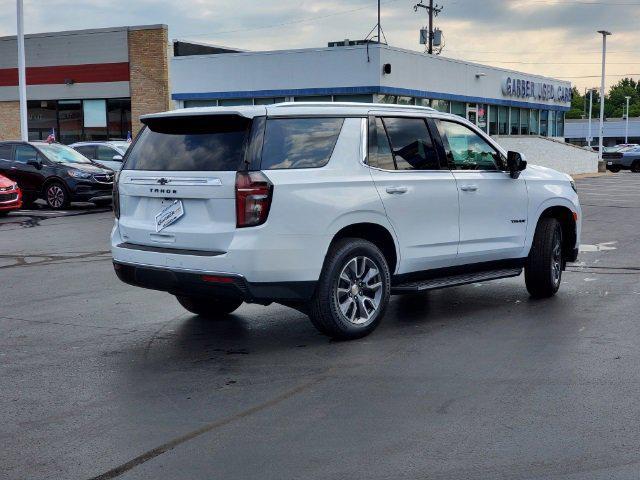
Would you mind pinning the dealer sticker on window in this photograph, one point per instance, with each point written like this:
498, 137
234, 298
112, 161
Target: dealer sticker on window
169, 215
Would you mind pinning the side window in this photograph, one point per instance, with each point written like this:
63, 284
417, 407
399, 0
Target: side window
411, 144
25, 153
465, 149
5, 152
380, 150
299, 142
87, 150
105, 153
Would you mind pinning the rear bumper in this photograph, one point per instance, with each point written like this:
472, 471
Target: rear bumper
89, 192
187, 283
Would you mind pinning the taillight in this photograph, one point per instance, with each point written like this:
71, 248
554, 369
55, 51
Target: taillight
253, 198
116, 195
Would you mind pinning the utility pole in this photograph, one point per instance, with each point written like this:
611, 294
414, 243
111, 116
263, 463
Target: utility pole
605, 34
379, 26
626, 132
432, 11
590, 139
22, 77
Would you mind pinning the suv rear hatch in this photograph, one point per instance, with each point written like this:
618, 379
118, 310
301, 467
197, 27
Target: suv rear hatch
177, 187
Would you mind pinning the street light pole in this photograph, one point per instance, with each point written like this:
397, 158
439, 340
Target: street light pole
605, 34
626, 132
590, 110
22, 77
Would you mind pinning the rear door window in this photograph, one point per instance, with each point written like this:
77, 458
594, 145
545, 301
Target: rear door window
299, 142
411, 143
194, 143
379, 147
105, 153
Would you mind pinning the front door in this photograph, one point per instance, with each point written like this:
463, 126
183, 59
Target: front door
493, 206
420, 198
24, 169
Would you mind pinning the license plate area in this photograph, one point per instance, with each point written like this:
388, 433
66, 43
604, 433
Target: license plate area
171, 211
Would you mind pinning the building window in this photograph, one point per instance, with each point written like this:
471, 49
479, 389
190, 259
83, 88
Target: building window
459, 108
440, 105
43, 117
493, 120
269, 101
353, 98
483, 116
524, 121
200, 103
552, 123
387, 98
119, 117
94, 115
70, 119
534, 118
315, 98
544, 123
515, 121
560, 124
503, 121
232, 102
406, 100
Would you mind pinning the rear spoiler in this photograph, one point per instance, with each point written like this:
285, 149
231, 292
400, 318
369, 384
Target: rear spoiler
241, 111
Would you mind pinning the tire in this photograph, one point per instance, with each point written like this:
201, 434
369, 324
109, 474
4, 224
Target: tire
543, 268
635, 167
56, 196
212, 308
3, 213
614, 169
102, 203
353, 291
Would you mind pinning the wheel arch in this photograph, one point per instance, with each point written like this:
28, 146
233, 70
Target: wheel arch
375, 233
54, 179
568, 222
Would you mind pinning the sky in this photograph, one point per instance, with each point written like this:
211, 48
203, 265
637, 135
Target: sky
557, 38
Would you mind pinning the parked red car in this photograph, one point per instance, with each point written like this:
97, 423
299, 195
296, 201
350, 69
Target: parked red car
10, 196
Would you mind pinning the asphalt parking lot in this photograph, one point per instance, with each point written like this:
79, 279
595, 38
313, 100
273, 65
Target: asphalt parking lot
102, 380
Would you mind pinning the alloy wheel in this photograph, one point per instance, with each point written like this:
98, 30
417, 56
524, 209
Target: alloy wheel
55, 196
556, 259
359, 290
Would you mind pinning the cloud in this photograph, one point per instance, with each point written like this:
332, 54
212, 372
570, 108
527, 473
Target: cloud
556, 38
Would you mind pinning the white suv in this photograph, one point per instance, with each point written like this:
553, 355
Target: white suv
330, 208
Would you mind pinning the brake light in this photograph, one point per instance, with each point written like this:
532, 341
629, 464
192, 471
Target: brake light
253, 198
116, 195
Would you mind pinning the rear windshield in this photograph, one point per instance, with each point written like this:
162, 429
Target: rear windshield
197, 143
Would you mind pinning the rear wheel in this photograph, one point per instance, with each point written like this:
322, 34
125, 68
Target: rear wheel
56, 196
353, 291
543, 269
212, 308
614, 169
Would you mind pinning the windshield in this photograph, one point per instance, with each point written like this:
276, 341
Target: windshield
62, 154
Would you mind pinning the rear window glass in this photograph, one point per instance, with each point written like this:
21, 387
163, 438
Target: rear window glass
203, 143
299, 142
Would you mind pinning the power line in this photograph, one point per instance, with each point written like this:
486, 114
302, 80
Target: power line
290, 22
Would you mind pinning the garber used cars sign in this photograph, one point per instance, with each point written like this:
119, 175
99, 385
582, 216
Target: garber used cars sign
521, 88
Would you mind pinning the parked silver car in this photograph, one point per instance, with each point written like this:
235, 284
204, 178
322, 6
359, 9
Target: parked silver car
107, 153
624, 159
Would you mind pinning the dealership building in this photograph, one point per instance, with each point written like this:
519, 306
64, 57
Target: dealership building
501, 102
85, 84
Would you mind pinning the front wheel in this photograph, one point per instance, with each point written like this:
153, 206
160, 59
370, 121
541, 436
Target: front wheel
56, 196
212, 308
543, 269
614, 169
353, 291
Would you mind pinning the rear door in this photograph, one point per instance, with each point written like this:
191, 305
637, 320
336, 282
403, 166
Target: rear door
420, 198
493, 206
189, 163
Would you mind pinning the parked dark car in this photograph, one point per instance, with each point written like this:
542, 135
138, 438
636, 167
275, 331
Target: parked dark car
56, 173
624, 159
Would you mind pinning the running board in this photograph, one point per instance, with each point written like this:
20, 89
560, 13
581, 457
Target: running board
454, 280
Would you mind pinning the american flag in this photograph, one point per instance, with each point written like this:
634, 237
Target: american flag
52, 136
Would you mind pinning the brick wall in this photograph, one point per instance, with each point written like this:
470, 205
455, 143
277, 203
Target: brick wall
9, 121
149, 67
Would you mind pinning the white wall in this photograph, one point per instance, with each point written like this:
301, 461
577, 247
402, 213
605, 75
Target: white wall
552, 153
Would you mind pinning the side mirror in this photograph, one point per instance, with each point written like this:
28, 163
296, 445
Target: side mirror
117, 158
515, 163
35, 163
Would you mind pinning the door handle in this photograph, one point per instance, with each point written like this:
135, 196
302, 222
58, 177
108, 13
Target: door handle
469, 188
397, 190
